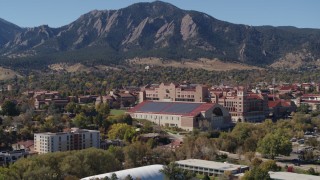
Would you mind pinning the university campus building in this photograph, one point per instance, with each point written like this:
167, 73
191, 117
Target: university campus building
312, 100
185, 115
76, 139
243, 106
175, 92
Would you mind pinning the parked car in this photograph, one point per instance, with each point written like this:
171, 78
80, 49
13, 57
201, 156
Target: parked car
293, 139
296, 162
301, 141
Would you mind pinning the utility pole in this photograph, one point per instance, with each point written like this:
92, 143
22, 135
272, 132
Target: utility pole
273, 85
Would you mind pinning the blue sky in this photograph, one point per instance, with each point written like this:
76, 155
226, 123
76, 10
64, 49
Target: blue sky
55, 13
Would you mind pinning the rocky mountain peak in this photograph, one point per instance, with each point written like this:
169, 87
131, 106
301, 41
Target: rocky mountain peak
161, 30
188, 27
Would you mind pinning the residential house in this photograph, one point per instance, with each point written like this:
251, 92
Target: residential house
24, 145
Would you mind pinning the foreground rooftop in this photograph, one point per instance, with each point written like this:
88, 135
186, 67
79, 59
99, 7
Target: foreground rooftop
210, 164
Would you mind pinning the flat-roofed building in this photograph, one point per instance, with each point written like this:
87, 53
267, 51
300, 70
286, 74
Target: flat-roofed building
291, 176
210, 167
185, 115
75, 139
9, 157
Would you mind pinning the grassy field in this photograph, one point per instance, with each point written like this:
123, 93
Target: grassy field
116, 112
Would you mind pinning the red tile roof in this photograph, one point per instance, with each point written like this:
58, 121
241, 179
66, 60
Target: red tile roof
137, 107
285, 103
26, 144
280, 102
108, 97
254, 96
272, 104
285, 88
203, 107
195, 110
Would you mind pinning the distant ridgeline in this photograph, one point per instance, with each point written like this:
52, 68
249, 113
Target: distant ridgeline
155, 29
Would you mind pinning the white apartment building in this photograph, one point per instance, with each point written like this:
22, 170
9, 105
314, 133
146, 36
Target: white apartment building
76, 139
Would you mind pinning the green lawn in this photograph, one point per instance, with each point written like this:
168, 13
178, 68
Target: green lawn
116, 112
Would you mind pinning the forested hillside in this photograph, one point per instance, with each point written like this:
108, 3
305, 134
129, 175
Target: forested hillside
160, 30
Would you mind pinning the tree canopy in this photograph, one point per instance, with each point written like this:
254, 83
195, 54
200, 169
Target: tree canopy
9, 108
274, 144
173, 172
59, 165
121, 131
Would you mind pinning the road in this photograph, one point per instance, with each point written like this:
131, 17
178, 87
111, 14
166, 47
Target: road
176, 136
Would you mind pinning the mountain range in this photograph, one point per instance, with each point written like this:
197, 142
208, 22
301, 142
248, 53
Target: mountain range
160, 30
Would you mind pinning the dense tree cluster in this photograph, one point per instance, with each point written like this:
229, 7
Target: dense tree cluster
62, 165
259, 169
9, 108
97, 82
274, 144
83, 163
269, 138
197, 147
173, 172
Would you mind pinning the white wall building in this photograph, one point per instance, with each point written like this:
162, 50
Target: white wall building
210, 167
75, 139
